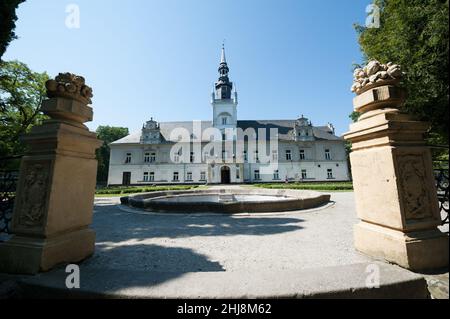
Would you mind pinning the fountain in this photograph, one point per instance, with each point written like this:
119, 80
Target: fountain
250, 200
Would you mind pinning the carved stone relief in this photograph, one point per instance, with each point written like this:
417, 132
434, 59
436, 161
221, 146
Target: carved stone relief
32, 201
413, 186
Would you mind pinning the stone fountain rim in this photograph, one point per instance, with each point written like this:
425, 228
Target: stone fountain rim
298, 200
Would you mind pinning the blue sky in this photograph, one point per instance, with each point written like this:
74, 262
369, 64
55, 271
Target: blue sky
149, 58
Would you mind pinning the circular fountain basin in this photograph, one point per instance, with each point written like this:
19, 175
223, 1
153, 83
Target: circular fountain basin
227, 200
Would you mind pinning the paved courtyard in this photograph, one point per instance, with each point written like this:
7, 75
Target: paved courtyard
303, 253
130, 238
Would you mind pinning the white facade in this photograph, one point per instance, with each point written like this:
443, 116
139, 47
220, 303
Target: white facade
315, 167
302, 152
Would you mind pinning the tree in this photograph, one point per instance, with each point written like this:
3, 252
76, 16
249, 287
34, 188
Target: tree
414, 34
8, 20
107, 134
354, 116
21, 95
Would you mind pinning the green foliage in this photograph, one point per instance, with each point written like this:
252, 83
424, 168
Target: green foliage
354, 116
21, 94
142, 189
8, 20
107, 134
414, 33
338, 186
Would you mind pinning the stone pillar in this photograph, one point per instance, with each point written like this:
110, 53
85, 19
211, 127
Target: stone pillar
393, 177
55, 194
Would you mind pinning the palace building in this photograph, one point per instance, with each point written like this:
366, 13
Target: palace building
299, 151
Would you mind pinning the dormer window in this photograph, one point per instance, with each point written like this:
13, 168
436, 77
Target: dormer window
224, 121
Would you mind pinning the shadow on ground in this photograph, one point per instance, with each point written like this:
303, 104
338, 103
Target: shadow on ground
115, 224
122, 247
125, 259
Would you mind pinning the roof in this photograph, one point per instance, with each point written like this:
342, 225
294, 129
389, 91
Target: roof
284, 127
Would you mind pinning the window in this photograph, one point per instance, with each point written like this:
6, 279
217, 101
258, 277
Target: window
302, 154
224, 155
146, 177
304, 174
175, 177
288, 155
223, 137
203, 176
238, 172
275, 155
189, 176
192, 158
245, 156
256, 156
257, 176
327, 154
276, 175
329, 173
146, 157
177, 156
224, 121
152, 157
128, 158
151, 177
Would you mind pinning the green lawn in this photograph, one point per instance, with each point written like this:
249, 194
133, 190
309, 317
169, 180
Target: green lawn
120, 190
337, 186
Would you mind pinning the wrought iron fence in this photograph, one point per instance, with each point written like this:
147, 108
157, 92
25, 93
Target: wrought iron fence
9, 175
442, 186
441, 172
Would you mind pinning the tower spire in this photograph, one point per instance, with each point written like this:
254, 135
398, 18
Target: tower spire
223, 58
223, 86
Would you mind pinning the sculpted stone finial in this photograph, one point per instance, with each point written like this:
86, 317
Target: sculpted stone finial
375, 74
70, 86
69, 99
377, 87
